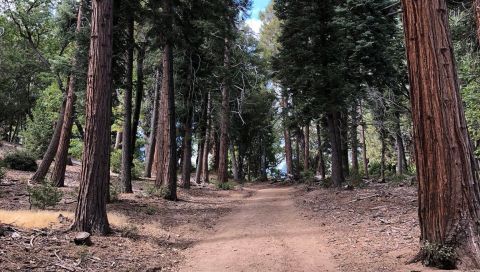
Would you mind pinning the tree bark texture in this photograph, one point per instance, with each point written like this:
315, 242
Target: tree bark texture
224, 117
61, 156
150, 153
138, 99
448, 191
126, 170
187, 127
336, 144
91, 211
321, 159
166, 134
49, 155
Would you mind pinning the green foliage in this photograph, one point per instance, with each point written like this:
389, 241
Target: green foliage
39, 129
439, 256
226, 186
20, 160
115, 190
116, 160
76, 148
151, 210
307, 176
44, 195
2, 173
129, 231
154, 191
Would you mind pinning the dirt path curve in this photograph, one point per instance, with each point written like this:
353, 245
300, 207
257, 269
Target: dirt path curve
265, 233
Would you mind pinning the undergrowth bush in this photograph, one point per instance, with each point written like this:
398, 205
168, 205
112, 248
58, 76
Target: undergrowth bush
2, 173
225, 186
44, 195
155, 191
20, 160
439, 256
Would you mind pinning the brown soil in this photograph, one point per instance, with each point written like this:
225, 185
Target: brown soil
257, 228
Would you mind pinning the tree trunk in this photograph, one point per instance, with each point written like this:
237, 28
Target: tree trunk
306, 155
235, 171
52, 147
449, 201
61, 157
91, 211
321, 159
126, 171
336, 143
401, 159
288, 139
354, 140
138, 99
476, 6
201, 138
187, 127
297, 155
364, 143
166, 135
150, 153
383, 150
224, 118
206, 149
118, 140
344, 143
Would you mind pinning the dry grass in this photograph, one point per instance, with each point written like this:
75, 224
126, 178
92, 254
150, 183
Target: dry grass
32, 219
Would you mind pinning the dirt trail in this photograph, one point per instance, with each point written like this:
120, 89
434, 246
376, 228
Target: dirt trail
266, 233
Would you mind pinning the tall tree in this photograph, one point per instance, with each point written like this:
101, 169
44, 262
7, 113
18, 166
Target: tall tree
61, 157
224, 117
127, 148
166, 134
91, 211
449, 198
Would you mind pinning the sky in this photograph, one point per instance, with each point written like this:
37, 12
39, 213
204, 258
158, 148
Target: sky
254, 21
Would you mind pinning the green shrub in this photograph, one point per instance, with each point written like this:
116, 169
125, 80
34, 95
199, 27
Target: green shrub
226, 186
44, 195
116, 164
155, 191
2, 173
439, 256
114, 191
130, 231
76, 148
20, 160
307, 176
116, 161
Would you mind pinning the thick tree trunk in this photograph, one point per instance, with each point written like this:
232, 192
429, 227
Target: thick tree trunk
306, 153
336, 144
91, 211
52, 147
321, 159
166, 135
476, 6
449, 194
224, 118
288, 140
61, 157
364, 143
150, 153
126, 171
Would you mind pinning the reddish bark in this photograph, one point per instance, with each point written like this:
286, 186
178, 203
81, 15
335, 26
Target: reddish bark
449, 201
91, 211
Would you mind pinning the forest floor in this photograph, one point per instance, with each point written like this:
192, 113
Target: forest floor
257, 227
